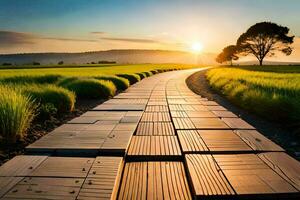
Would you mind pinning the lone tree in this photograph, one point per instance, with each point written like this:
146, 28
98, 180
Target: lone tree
229, 53
264, 39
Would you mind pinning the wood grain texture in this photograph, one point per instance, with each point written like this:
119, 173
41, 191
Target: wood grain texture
237, 123
155, 146
155, 128
223, 141
206, 177
103, 179
63, 167
21, 165
286, 166
257, 141
45, 188
154, 180
208, 123
249, 175
191, 142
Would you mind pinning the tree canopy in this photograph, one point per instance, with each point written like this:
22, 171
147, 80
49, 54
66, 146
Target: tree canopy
264, 39
229, 53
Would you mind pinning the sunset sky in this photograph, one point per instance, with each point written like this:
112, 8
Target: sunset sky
90, 25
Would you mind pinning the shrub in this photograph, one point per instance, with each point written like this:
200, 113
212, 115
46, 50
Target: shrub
51, 78
16, 114
119, 82
147, 74
46, 112
133, 78
141, 75
60, 62
89, 88
154, 71
62, 99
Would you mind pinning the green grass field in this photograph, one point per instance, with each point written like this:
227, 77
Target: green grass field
87, 70
43, 92
269, 91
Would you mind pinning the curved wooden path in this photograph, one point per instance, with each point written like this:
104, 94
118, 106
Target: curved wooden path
157, 140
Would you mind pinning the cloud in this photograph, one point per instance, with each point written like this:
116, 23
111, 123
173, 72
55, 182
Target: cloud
133, 40
11, 38
98, 32
68, 39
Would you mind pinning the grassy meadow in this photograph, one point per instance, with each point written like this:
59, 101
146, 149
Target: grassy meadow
32, 94
269, 91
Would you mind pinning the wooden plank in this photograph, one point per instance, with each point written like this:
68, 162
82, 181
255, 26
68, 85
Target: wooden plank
103, 179
154, 180
6, 183
156, 117
210, 103
208, 123
222, 113
207, 180
191, 141
223, 141
87, 142
153, 147
183, 123
155, 128
157, 108
180, 114
157, 103
117, 142
237, 123
91, 117
127, 101
249, 175
216, 108
45, 188
21, 165
284, 165
133, 185
257, 141
200, 114
64, 167
119, 107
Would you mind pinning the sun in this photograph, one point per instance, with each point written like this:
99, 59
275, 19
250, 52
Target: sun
197, 47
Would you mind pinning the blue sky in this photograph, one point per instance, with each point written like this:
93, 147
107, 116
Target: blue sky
67, 25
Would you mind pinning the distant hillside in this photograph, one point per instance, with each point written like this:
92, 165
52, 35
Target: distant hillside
120, 56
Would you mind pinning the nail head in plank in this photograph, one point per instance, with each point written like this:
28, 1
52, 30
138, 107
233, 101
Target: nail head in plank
21, 165
64, 167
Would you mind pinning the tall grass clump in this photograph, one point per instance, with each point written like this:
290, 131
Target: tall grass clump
119, 82
62, 99
39, 79
275, 96
133, 78
16, 114
141, 75
90, 88
147, 74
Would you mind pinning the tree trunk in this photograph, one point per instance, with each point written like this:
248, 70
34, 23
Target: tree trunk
231, 62
260, 62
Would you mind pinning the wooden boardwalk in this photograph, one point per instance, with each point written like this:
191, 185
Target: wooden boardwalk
157, 140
